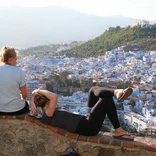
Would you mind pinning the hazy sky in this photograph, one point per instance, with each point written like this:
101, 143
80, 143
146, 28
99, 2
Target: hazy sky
143, 9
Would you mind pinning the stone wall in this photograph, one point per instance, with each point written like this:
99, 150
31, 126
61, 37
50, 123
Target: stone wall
26, 136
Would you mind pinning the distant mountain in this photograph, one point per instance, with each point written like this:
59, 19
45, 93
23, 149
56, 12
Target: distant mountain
23, 27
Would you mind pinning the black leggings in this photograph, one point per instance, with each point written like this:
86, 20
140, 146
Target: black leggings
22, 111
102, 103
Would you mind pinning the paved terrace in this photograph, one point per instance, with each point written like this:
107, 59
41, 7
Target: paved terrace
24, 135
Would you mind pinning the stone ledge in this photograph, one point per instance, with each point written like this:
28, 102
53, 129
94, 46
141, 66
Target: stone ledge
103, 138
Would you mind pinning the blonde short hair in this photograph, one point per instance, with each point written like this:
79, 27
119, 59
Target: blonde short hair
6, 53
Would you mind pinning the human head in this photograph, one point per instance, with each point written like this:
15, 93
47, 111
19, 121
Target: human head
40, 100
8, 55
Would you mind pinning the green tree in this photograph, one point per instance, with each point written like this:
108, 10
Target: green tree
82, 83
113, 38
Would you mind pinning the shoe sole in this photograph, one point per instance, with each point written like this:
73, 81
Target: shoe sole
124, 137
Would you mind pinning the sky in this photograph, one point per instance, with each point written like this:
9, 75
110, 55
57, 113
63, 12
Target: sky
142, 9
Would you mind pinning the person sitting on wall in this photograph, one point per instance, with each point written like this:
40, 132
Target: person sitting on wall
99, 99
13, 88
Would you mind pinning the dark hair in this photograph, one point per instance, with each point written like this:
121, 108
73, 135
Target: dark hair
40, 100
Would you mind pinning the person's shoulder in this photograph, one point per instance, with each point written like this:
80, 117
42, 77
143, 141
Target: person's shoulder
16, 69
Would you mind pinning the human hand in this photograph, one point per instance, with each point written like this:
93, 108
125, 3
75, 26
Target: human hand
36, 91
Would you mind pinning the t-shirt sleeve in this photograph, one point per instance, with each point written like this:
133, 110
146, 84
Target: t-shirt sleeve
22, 79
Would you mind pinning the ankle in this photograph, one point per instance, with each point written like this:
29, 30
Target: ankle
120, 131
117, 92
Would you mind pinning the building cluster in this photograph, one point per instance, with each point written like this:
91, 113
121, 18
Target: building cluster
142, 23
115, 67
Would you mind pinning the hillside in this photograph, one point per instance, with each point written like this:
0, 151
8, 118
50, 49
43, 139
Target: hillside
52, 49
133, 38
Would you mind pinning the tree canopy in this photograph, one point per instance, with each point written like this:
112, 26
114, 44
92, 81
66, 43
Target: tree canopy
115, 37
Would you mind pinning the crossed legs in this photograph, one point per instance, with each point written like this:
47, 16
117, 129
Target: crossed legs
102, 103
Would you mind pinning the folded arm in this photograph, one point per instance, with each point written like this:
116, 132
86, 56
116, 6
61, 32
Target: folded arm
50, 108
32, 105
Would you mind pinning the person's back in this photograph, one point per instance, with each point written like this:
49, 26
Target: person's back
12, 83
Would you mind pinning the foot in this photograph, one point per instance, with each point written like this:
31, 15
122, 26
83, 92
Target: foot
118, 93
123, 94
119, 131
123, 135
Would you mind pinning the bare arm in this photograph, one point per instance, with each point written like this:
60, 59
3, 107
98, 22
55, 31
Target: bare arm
52, 101
32, 105
24, 91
